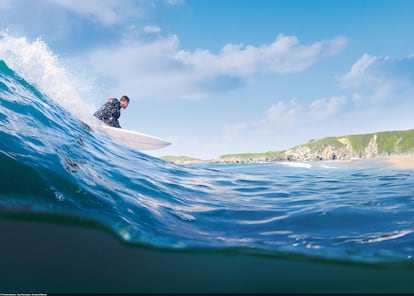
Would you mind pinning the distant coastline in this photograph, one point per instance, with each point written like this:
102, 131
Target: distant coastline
395, 147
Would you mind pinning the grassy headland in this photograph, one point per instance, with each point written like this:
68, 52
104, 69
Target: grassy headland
181, 159
362, 146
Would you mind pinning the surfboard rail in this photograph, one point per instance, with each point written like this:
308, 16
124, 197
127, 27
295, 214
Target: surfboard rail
133, 139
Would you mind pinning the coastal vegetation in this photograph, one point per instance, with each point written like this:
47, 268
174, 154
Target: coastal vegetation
181, 159
361, 146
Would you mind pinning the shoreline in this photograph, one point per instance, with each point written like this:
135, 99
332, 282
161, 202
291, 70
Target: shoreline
398, 161
394, 161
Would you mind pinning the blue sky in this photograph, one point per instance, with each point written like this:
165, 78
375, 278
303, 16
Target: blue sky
217, 77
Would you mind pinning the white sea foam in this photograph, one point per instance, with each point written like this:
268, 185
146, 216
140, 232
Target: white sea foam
296, 164
39, 66
325, 166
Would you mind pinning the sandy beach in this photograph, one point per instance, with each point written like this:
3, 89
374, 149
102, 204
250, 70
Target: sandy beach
394, 162
399, 162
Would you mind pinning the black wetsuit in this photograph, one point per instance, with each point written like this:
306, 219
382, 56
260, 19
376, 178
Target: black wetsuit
109, 113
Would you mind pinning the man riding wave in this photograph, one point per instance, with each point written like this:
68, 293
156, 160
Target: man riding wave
110, 112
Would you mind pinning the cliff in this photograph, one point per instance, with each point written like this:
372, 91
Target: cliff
364, 146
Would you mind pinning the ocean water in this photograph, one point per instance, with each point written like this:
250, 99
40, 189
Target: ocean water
53, 164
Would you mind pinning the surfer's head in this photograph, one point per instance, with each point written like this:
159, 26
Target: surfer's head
124, 101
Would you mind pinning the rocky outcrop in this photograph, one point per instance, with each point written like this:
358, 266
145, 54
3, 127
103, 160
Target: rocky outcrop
364, 146
367, 146
320, 153
342, 150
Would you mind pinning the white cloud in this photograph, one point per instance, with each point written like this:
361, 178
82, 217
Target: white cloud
326, 107
279, 118
160, 68
151, 29
378, 80
145, 68
282, 113
107, 12
358, 73
284, 55
290, 123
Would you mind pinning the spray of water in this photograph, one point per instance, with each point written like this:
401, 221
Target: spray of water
38, 65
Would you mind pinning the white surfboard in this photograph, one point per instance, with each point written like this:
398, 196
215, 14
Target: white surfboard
133, 139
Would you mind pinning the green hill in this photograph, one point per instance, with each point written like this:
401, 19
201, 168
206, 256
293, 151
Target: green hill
252, 157
181, 159
365, 146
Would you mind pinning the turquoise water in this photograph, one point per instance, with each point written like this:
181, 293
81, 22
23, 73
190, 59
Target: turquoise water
51, 163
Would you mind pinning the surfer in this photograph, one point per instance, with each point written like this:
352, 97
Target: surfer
111, 111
